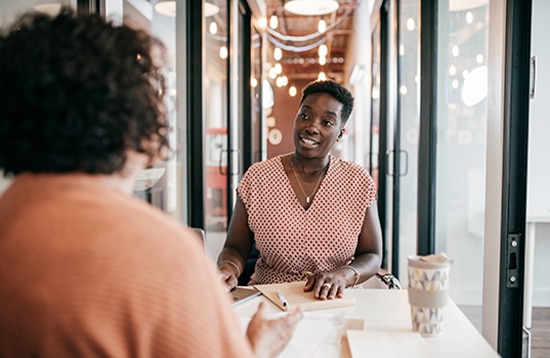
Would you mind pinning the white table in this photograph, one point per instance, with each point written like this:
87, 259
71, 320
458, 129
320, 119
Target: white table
388, 329
534, 218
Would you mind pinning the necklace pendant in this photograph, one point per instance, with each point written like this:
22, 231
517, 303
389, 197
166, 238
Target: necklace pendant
307, 199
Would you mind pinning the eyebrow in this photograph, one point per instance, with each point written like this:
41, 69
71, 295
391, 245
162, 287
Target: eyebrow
326, 112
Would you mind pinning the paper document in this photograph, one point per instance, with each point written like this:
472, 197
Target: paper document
387, 344
317, 335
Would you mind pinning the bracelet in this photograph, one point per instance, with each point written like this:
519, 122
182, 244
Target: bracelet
356, 274
232, 264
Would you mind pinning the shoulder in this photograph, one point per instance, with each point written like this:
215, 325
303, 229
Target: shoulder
349, 168
262, 171
265, 165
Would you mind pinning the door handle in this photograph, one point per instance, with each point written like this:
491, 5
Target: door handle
532, 76
406, 161
220, 163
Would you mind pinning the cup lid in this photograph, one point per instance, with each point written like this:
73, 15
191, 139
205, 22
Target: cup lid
433, 259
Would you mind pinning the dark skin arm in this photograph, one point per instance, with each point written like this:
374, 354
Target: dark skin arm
368, 257
236, 248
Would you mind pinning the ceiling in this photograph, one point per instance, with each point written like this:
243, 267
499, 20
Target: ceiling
299, 39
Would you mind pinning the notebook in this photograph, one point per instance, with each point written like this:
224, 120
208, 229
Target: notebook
294, 294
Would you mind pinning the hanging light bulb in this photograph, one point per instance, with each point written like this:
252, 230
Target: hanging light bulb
322, 60
273, 21
469, 17
323, 50
322, 26
278, 68
213, 28
277, 54
284, 80
322, 76
292, 91
223, 52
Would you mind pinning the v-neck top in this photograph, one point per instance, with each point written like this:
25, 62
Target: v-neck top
292, 239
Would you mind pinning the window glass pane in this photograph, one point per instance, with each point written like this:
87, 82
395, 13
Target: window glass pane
461, 145
215, 123
409, 102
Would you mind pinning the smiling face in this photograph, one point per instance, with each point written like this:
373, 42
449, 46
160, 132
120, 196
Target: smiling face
318, 125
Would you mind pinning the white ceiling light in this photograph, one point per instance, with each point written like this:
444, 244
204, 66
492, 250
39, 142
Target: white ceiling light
166, 7
311, 7
210, 9
459, 5
48, 8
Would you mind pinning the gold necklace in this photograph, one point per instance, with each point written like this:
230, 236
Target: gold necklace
308, 197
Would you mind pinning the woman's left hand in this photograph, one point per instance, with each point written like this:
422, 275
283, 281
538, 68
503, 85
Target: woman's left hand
327, 285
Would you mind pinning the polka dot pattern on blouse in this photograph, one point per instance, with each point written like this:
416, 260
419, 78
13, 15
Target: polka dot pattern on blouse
291, 239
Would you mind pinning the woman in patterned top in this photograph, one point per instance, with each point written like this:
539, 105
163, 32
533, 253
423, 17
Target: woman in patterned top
311, 215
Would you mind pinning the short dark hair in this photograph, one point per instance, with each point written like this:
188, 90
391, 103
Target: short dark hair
336, 90
78, 92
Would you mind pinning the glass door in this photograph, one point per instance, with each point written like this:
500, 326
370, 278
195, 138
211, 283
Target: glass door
461, 144
405, 152
537, 247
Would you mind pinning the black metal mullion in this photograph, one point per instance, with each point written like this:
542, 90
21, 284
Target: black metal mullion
248, 155
89, 6
428, 127
396, 185
232, 50
194, 100
514, 195
383, 120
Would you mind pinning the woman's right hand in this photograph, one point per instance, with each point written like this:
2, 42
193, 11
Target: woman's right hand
229, 279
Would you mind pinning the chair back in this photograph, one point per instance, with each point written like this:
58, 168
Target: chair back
200, 232
384, 280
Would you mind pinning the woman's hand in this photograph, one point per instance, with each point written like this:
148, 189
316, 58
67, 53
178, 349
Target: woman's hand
268, 337
228, 276
327, 285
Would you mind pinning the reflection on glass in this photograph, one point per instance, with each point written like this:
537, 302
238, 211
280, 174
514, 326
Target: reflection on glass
215, 122
410, 121
461, 128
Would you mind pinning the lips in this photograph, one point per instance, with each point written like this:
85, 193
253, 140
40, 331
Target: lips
308, 141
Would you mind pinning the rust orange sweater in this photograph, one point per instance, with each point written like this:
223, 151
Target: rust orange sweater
86, 271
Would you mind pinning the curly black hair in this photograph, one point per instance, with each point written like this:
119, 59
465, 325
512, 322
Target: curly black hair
336, 90
76, 93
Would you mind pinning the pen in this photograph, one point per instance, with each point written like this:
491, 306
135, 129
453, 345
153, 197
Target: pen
282, 299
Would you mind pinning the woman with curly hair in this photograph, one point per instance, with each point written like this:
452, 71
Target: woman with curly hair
86, 269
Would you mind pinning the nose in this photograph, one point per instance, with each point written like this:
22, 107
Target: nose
312, 127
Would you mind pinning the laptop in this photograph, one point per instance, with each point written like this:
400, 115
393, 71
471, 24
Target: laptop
244, 293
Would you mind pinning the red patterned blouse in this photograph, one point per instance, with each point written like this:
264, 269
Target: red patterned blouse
291, 239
